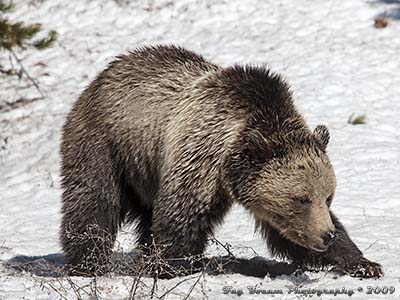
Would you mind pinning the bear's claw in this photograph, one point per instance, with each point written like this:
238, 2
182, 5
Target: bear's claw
365, 269
360, 268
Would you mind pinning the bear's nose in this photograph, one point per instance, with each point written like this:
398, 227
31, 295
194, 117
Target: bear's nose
329, 238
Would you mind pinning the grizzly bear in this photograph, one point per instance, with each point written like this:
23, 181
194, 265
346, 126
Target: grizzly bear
167, 140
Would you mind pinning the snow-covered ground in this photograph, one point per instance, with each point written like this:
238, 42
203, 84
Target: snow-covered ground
337, 62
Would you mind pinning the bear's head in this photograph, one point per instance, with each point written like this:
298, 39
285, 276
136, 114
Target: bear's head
290, 186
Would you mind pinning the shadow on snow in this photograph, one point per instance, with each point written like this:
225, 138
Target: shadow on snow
53, 265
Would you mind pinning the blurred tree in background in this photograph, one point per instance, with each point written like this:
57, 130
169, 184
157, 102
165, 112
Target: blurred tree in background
18, 35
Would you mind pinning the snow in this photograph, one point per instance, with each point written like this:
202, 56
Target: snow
337, 63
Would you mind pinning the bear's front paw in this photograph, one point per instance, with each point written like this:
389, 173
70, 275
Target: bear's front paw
363, 268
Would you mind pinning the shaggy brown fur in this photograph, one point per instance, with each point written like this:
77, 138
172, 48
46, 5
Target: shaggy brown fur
168, 140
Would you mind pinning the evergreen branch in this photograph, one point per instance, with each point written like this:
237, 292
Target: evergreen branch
47, 41
16, 34
6, 7
20, 35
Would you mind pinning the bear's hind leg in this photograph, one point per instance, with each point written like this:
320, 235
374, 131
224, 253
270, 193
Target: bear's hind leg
90, 206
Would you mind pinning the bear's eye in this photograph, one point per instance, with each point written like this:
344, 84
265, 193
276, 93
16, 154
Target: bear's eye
302, 200
329, 200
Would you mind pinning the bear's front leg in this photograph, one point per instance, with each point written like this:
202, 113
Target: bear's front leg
178, 242
182, 223
344, 256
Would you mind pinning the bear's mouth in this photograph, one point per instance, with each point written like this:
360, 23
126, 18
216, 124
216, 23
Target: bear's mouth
310, 246
318, 249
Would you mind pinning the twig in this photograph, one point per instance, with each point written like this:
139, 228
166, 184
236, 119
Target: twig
8, 71
372, 244
154, 287
135, 285
193, 286
27, 74
226, 247
93, 287
8, 106
175, 286
61, 295
76, 288
72, 284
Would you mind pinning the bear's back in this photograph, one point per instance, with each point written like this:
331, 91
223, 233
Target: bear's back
168, 67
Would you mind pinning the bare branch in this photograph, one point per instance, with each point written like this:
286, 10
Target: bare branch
23, 69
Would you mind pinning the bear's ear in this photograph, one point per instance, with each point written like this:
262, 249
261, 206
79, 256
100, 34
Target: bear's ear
321, 132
